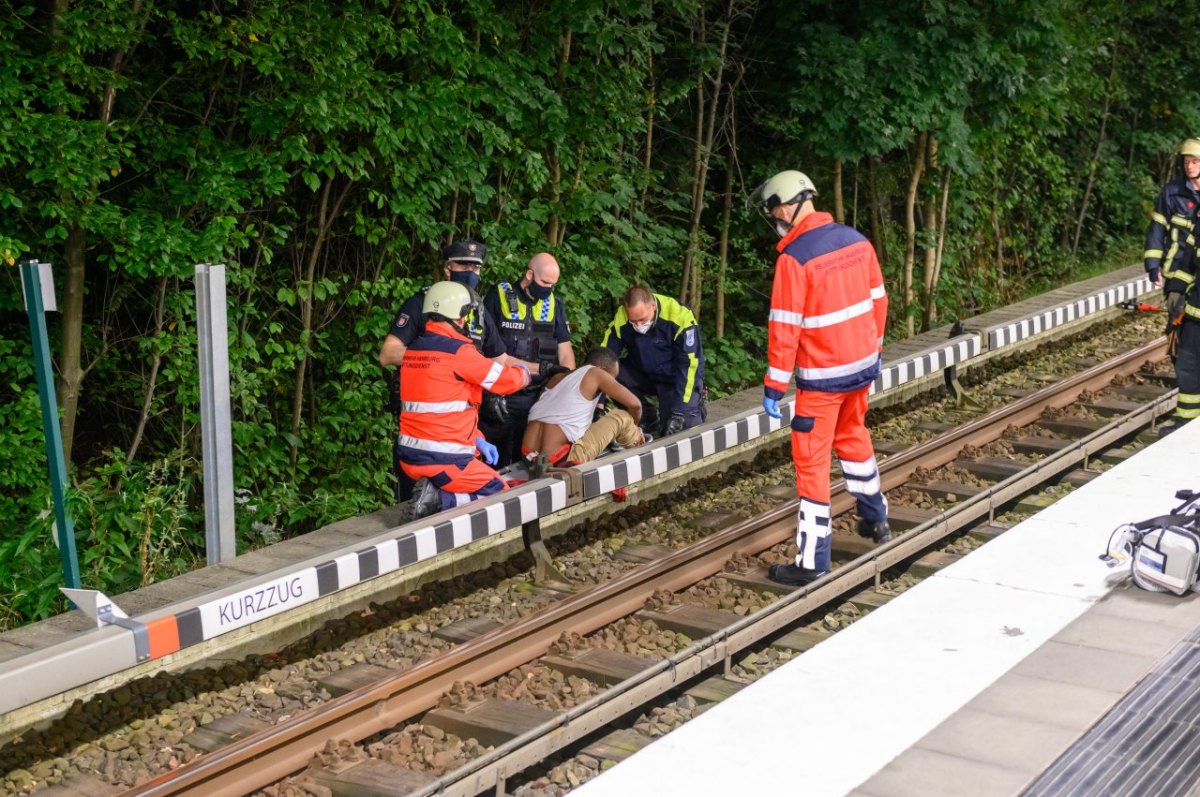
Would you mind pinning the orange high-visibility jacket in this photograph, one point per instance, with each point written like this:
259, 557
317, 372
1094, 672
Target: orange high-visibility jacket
828, 310
444, 380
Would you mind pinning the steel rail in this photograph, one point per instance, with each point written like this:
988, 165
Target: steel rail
287, 747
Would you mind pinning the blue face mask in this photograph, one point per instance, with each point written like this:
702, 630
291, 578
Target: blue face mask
468, 278
538, 292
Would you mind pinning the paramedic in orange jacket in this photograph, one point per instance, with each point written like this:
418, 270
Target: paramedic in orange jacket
445, 377
828, 310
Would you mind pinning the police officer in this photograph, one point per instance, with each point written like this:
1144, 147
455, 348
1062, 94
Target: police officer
462, 263
532, 324
1170, 261
658, 341
444, 380
828, 311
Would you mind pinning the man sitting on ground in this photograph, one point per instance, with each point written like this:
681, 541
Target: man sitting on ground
560, 423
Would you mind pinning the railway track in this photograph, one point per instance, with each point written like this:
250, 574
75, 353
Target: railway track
377, 708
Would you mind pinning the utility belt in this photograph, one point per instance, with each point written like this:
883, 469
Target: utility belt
1177, 306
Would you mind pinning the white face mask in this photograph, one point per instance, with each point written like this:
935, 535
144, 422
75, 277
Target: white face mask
643, 327
782, 227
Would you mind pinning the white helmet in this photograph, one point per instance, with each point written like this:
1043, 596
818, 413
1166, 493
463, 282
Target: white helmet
1190, 146
449, 300
786, 188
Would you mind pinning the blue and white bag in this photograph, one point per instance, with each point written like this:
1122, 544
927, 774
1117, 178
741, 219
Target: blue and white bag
1164, 551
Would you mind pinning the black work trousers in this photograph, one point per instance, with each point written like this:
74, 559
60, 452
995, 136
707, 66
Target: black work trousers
1187, 370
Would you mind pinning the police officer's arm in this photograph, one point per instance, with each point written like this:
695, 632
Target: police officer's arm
598, 380
407, 327
495, 377
878, 294
562, 334
392, 351
783, 325
685, 362
1156, 237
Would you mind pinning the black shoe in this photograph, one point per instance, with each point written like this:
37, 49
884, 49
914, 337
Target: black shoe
1173, 426
793, 575
426, 499
879, 532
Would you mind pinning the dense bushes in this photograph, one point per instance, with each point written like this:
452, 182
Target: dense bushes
324, 150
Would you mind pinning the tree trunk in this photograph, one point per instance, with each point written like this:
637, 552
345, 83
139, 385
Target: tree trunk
931, 309
1091, 179
71, 370
552, 229
875, 211
70, 364
651, 100
726, 210
839, 204
152, 380
704, 149
325, 217
910, 230
930, 220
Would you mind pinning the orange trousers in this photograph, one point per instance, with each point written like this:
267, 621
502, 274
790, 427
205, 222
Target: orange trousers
824, 422
459, 485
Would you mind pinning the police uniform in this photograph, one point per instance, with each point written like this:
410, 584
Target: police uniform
530, 330
666, 362
1171, 248
440, 394
828, 311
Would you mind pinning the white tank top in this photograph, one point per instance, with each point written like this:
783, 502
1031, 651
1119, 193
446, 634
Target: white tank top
564, 406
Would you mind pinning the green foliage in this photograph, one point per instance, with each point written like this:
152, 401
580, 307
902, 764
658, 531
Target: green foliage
325, 150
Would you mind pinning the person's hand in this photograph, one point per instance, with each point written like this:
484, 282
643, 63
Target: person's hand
674, 423
490, 455
547, 369
1155, 277
771, 407
495, 409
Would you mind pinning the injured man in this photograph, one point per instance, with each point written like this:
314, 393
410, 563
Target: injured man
560, 423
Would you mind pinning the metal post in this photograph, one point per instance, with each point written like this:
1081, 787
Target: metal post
36, 277
215, 424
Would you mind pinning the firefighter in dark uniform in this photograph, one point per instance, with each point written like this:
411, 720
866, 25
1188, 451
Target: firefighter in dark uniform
463, 261
532, 323
658, 341
1171, 262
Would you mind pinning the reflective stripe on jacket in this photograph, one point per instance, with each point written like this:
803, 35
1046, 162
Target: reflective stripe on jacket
444, 380
527, 329
828, 310
1171, 237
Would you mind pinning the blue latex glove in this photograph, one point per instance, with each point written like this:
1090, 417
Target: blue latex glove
490, 455
771, 406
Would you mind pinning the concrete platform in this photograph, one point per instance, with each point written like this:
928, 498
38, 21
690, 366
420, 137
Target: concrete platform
974, 682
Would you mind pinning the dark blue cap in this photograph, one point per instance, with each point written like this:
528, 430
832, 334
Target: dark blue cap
472, 252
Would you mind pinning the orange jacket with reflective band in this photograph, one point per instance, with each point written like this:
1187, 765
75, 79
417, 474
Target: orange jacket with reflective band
444, 377
828, 310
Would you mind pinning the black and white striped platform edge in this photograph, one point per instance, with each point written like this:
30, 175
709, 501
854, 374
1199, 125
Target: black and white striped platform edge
102, 652
404, 546
623, 469
929, 361
1011, 332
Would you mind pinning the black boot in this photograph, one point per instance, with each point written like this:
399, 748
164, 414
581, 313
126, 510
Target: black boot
794, 575
878, 532
426, 499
